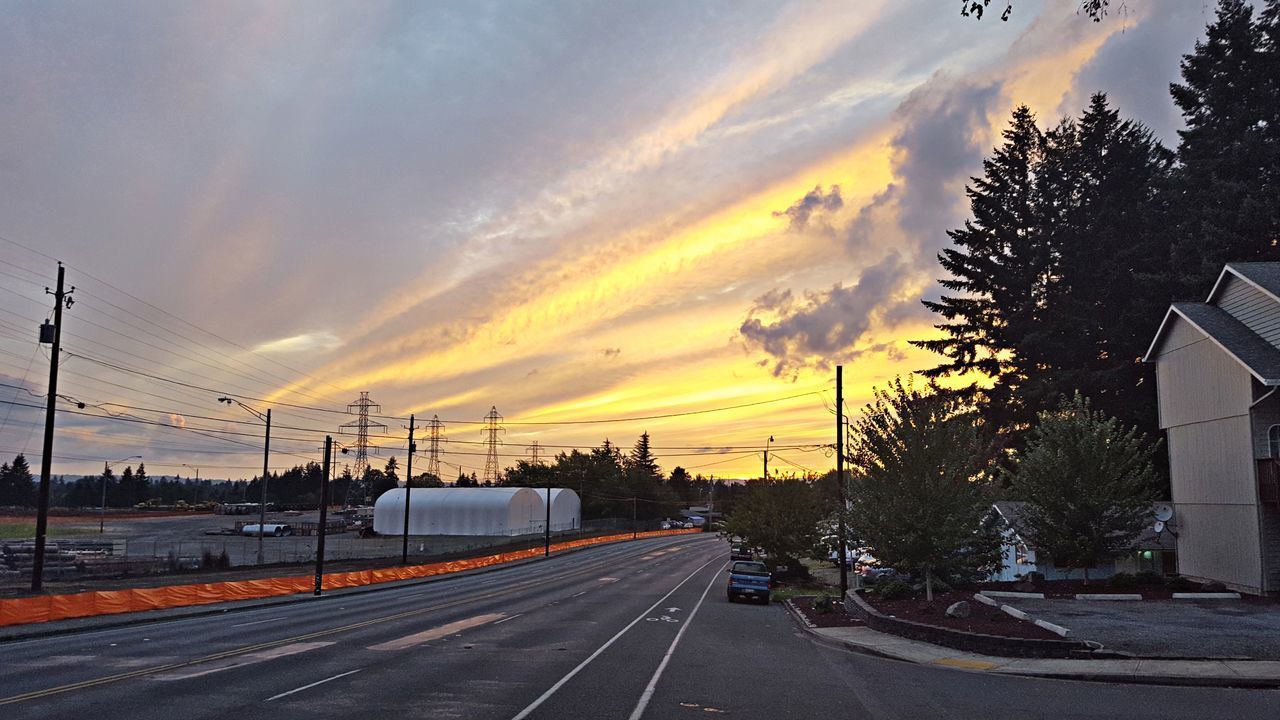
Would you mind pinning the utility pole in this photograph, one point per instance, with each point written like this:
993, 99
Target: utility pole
324, 513
266, 456
711, 504
844, 551
49, 335
408, 487
633, 517
547, 528
766, 457
262, 510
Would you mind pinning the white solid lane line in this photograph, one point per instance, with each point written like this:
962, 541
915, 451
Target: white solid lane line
255, 622
307, 687
513, 617
653, 681
561, 682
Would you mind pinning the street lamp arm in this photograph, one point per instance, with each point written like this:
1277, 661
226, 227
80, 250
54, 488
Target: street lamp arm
255, 413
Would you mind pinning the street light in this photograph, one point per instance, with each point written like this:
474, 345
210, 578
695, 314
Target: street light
193, 467
102, 513
266, 453
766, 457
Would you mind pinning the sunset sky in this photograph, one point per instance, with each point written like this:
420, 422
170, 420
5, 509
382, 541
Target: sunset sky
571, 211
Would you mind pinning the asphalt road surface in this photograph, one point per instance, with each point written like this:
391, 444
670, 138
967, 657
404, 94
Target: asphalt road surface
630, 630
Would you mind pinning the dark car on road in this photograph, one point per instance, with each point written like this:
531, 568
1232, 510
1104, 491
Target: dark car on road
741, 552
750, 580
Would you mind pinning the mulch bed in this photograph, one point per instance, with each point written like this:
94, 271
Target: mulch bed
982, 619
835, 617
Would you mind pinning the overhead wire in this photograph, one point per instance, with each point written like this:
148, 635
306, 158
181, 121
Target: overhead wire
168, 314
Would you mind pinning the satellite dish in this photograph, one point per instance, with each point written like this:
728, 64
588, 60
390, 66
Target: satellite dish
1164, 513
1159, 526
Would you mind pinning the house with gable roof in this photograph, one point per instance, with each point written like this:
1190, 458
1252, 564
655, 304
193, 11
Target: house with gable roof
1218, 372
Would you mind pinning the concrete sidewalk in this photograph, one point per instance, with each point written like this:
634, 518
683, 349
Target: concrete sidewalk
1210, 673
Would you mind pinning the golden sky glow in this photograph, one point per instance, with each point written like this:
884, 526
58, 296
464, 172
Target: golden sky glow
565, 217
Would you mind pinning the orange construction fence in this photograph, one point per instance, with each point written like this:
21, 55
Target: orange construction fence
47, 608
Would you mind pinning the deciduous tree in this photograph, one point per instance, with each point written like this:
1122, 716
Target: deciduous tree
1088, 483
920, 496
781, 517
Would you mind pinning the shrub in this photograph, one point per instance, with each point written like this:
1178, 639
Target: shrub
210, 561
939, 586
1147, 577
822, 604
892, 589
1123, 580
1177, 583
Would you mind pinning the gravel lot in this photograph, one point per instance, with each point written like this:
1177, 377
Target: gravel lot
185, 537
1169, 628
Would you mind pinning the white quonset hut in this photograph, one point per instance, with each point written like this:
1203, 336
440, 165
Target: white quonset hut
474, 511
566, 509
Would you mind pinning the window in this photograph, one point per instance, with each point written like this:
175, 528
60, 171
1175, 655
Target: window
1273, 441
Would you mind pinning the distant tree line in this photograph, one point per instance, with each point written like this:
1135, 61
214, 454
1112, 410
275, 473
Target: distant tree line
606, 479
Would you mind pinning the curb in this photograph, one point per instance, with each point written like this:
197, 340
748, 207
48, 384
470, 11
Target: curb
1097, 677
1056, 629
215, 609
838, 644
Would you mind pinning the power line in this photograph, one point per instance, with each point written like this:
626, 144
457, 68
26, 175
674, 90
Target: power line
166, 313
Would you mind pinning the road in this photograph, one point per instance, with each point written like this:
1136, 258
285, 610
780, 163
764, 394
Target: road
631, 630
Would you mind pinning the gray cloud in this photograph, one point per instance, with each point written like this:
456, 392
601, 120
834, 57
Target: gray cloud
936, 147
814, 201
821, 327
1134, 68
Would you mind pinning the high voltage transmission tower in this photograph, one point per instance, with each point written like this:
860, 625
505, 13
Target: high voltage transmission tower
433, 450
491, 431
535, 454
361, 425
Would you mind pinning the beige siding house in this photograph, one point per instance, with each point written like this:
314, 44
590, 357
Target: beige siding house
1217, 372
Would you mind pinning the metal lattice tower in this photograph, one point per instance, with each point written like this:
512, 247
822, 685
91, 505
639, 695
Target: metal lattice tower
535, 454
361, 425
433, 450
491, 431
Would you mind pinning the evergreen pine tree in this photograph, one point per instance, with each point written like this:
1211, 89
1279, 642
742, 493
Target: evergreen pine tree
1228, 184
17, 488
998, 271
141, 484
125, 490
1102, 189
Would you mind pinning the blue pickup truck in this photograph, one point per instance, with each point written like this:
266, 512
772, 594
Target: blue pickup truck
750, 580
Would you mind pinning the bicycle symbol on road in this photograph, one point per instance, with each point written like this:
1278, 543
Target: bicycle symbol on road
662, 618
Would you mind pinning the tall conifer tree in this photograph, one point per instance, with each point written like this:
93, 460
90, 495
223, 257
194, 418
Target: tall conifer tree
1228, 186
